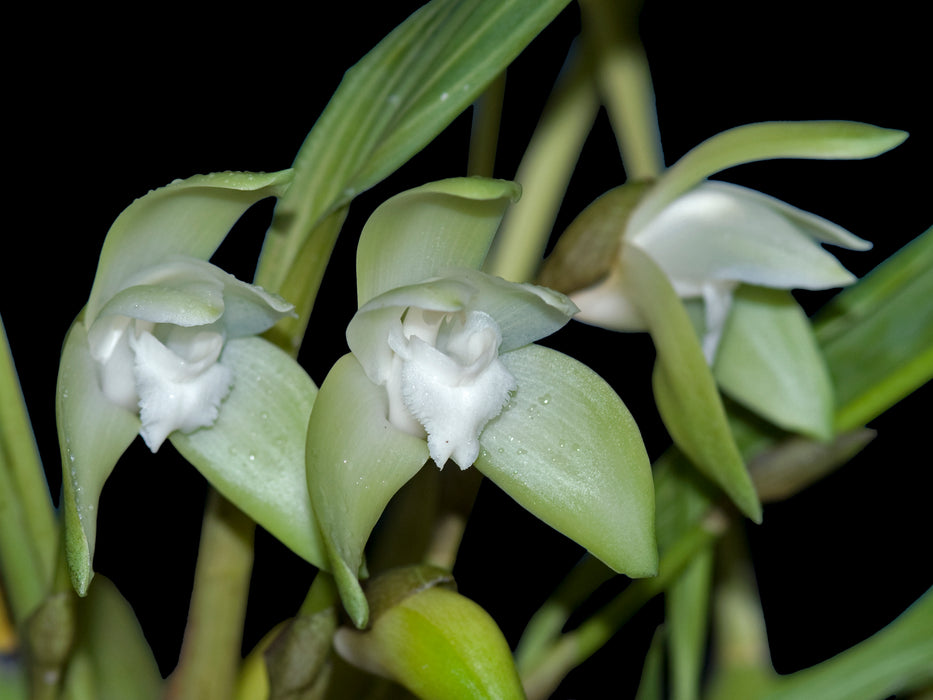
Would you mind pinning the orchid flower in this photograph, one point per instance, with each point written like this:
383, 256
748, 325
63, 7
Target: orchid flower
443, 365
633, 258
166, 347
708, 241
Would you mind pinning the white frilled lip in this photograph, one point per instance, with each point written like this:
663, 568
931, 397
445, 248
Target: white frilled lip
716, 236
158, 342
523, 313
435, 347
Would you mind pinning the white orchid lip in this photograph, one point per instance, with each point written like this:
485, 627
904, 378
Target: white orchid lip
158, 343
447, 377
435, 347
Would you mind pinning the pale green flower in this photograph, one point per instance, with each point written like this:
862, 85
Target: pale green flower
443, 365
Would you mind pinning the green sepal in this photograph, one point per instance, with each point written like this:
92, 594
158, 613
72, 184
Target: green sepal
684, 388
92, 434
765, 141
567, 449
438, 644
356, 461
254, 452
769, 361
185, 218
424, 231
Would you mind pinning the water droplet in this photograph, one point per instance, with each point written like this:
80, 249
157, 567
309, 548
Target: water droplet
522, 451
252, 457
544, 400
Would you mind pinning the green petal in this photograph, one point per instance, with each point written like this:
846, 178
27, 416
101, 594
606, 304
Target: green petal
254, 452
764, 141
196, 305
567, 449
92, 433
423, 232
769, 361
524, 312
684, 388
356, 461
188, 217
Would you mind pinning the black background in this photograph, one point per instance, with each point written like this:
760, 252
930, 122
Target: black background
106, 106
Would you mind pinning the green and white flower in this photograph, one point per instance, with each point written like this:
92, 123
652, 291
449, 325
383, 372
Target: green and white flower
167, 348
443, 365
708, 241
641, 256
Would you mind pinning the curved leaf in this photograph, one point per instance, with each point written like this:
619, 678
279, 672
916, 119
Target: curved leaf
356, 461
393, 103
422, 232
254, 452
568, 450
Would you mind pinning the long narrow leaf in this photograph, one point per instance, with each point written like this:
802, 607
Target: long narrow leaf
387, 108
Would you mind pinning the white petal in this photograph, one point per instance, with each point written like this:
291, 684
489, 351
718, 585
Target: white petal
181, 386
606, 304
713, 233
717, 298
109, 346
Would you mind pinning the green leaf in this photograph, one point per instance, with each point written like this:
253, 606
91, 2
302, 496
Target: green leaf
683, 499
92, 434
895, 659
765, 141
769, 361
685, 391
29, 530
254, 452
651, 684
424, 231
567, 449
356, 461
186, 218
394, 102
438, 644
877, 335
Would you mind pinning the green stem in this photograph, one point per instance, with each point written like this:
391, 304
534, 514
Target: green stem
547, 623
484, 137
210, 654
740, 639
624, 79
457, 495
28, 538
545, 172
575, 647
